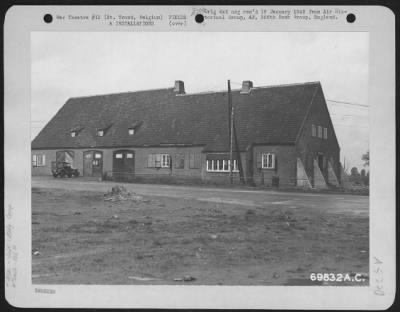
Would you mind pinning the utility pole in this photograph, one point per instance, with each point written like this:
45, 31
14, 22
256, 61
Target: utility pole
231, 149
230, 132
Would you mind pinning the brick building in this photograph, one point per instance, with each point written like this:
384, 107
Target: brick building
282, 131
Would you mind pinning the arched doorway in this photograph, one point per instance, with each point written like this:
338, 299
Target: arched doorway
93, 163
65, 156
123, 165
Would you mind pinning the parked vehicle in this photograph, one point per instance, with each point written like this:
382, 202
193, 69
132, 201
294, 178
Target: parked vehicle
63, 169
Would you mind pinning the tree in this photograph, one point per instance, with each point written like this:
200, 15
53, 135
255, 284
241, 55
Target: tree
365, 158
355, 176
354, 172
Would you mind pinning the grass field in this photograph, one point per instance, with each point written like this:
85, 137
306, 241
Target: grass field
79, 238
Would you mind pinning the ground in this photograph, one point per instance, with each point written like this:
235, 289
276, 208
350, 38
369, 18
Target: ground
194, 235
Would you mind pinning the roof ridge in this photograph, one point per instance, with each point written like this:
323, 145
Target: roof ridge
288, 85
118, 93
198, 93
255, 88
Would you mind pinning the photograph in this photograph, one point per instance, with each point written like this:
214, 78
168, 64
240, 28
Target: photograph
200, 158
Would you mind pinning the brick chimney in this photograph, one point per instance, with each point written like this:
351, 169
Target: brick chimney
246, 86
179, 87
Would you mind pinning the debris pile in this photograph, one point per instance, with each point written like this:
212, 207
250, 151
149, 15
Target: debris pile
120, 193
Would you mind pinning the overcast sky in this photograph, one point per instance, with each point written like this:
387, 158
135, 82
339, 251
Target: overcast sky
70, 64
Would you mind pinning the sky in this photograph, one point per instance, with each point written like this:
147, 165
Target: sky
71, 64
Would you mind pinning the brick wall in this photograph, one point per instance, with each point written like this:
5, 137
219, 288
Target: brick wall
141, 160
285, 165
143, 172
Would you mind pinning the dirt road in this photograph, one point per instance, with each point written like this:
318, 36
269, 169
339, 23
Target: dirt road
194, 235
332, 203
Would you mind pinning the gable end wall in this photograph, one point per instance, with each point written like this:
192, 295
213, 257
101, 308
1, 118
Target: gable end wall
308, 146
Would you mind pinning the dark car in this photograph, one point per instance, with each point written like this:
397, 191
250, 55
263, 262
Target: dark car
63, 169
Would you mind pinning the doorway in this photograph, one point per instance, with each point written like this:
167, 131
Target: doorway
93, 164
124, 165
321, 163
65, 156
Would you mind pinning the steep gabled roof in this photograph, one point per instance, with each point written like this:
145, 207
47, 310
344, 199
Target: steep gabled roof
266, 115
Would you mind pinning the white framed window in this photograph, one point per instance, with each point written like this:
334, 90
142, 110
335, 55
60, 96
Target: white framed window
221, 165
100, 133
319, 131
325, 133
209, 165
268, 161
39, 160
165, 161
131, 131
226, 164
313, 130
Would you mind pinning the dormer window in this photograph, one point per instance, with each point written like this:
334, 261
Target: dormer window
101, 131
75, 131
133, 127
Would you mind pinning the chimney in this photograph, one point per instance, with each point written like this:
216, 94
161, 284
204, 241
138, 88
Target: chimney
179, 87
246, 86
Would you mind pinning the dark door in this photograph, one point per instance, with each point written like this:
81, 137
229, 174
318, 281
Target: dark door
124, 165
321, 162
93, 164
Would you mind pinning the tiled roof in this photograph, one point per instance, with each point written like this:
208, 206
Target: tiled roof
270, 115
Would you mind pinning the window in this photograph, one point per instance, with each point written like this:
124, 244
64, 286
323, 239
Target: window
165, 161
97, 155
133, 127
159, 161
325, 133
215, 165
119, 155
221, 165
209, 165
313, 131
38, 160
226, 165
319, 131
100, 133
268, 161
129, 155
73, 133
